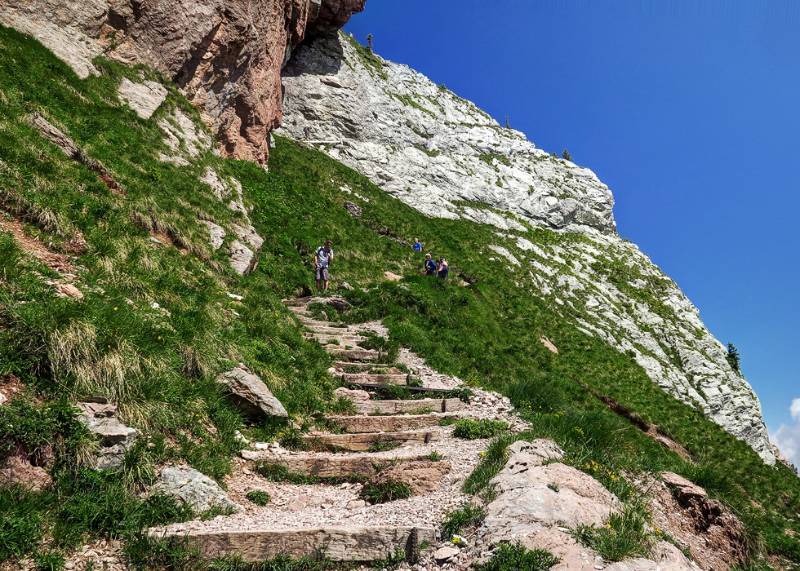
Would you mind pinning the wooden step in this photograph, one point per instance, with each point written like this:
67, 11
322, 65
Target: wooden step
400, 379
361, 355
421, 473
392, 423
419, 406
355, 544
368, 441
367, 367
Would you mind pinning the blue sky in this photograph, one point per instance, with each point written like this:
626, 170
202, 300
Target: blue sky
689, 111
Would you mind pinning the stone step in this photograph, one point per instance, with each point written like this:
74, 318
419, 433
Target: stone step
400, 379
367, 367
360, 355
353, 544
420, 472
419, 406
327, 329
413, 389
342, 338
368, 441
391, 423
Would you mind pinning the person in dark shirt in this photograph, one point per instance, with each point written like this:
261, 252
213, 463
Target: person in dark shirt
430, 266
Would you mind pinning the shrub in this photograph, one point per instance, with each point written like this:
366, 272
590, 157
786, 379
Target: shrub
471, 429
466, 516
386, 491
513, 557
258, 497
49, 561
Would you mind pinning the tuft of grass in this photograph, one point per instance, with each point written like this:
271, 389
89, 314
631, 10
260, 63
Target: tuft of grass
49, 561
278, 473
625, 534
258, 497
471, 429
385, 491
435, 456
514, 557
468, 515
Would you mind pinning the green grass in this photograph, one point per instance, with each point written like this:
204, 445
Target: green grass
160, 368
468, 515
258, 497
471, 429
513, 557
385, 491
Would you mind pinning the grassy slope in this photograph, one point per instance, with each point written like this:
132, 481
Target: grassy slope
161, 368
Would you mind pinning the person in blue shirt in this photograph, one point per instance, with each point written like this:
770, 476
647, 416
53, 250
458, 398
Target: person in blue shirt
430, 266
417, 245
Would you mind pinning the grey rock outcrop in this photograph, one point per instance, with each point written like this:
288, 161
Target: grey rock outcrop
251, 394
115, 438
538, 502
194, 489
447, 158
429, 147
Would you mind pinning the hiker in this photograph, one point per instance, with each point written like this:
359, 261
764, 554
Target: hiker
442, 269
430, 266
322, 262
417, 245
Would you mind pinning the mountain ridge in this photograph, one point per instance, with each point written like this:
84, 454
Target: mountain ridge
444, 156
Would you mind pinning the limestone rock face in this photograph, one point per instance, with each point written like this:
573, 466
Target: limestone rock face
429, 147
251, 394
444, 156
194, 489
226, 55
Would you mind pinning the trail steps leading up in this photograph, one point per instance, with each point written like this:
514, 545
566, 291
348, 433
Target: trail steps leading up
381, 441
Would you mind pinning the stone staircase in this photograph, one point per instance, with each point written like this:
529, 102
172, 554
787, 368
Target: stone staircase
319, 511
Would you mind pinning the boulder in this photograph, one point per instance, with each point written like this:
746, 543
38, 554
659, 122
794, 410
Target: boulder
194, 489
17, 470
115, 438
250, 394
533, 496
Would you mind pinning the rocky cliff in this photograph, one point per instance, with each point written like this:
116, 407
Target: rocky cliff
444, 156
225, 55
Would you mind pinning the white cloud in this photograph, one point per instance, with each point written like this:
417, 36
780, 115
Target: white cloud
795, 409
787, 437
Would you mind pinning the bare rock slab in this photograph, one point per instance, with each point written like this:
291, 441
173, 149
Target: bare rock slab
251, 395
194, 489
336, 543
144, 98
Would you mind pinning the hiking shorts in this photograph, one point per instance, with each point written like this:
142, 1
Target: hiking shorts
322, 274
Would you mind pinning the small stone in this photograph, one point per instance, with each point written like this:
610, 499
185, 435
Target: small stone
193, 488
446, 553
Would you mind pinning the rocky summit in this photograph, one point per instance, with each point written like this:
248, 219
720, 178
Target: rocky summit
444, 156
